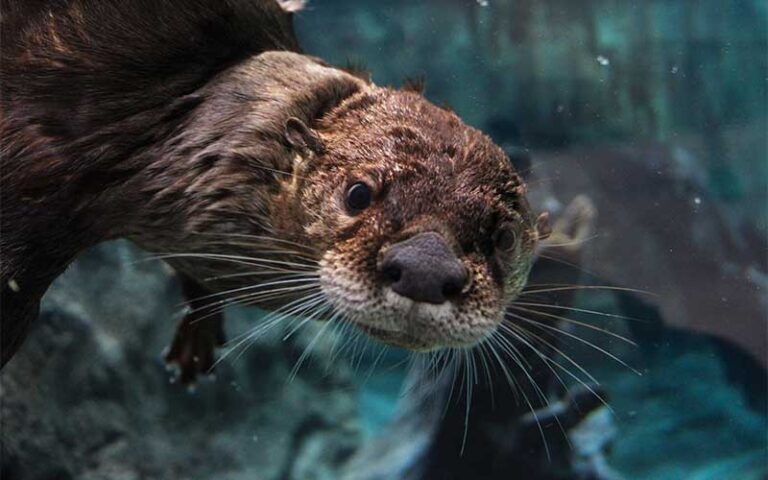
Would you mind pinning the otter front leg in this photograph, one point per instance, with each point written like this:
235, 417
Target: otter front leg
198, 334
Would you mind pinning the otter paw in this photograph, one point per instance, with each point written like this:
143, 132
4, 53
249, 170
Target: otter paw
192, 351
574, 226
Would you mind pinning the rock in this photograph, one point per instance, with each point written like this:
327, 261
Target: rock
89, 397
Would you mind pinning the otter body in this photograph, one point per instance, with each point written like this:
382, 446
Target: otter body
198, 130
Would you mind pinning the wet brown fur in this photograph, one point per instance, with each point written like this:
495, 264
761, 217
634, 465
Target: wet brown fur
165, 122
430, 172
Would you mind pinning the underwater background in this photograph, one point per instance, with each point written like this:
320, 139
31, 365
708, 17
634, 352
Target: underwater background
646, 119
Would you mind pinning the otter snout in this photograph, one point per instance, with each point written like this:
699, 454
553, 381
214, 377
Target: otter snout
424, 269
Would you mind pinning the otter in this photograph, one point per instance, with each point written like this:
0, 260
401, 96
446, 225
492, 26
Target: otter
200, 131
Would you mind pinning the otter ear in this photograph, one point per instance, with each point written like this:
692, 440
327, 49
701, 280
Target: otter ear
302, 137
542, 226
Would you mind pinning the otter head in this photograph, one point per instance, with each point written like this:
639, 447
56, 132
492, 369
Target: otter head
423, 230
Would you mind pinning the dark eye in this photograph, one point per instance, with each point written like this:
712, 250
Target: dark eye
359, 196
505, 238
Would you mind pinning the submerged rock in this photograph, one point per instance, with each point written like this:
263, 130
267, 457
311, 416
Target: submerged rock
89, 397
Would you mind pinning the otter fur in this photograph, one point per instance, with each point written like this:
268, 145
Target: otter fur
199, 130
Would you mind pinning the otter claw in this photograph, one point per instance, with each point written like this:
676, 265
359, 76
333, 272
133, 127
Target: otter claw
193, 346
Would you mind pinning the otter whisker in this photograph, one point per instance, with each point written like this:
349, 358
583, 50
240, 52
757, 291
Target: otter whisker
311, 312
545, 401
588, 287
239, 259
334, 334
546, 361
453, 364
551, 362
277, 170
306, 320
262, 249
449, 366
219, 258
437, 363
513, 383
566, 263
489, 377
495, 345
305, 303
510, 349
399, 364
382, 350
255, 297
468, 402
542, 397
276, 318
519, 331
257, 290
580, 310
574, 322
349, 335
295, 326
258, 299
519, 334
516, 354
287, 279
273, 170
259, 273
265, 324
362, 352
264, 238
432, 359
471, 379
344, 334
308, 349
290, 253
445, 364
580, 241
294, 306
359, 351
461, 370
353, 338
255, 261
252, 299
434, 364
541, 325
354, 358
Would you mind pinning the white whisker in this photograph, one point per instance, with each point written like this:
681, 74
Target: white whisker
575, 322
541, 325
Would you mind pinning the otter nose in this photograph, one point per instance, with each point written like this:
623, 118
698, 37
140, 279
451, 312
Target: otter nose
424, 269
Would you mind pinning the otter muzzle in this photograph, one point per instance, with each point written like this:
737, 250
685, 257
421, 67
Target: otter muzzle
424, 269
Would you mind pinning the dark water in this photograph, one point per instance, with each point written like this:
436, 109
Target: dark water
653, 110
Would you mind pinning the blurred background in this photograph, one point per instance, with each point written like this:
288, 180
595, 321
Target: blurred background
650, 114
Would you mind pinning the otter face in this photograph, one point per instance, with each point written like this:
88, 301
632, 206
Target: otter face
422, 222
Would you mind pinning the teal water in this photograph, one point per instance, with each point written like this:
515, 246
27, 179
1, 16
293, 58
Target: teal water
556, 77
